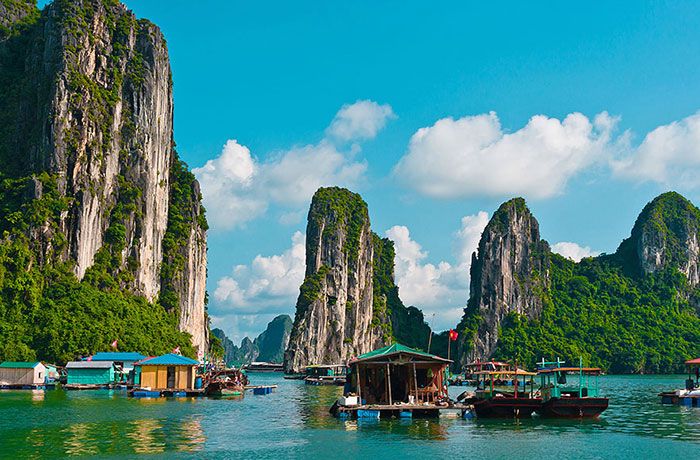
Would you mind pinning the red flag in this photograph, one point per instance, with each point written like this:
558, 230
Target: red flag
89, 358
114, 344
453, 335
177, 350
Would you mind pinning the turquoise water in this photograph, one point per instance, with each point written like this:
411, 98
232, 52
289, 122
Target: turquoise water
293, 422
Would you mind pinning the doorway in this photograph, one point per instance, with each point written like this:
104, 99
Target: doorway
171, 377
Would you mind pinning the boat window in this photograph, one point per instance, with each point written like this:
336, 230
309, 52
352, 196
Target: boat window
562, 378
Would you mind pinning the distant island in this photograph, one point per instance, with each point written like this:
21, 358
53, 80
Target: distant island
268, 347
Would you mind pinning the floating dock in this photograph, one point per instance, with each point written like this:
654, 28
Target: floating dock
142, 393
261, 389
43, 386
401, 411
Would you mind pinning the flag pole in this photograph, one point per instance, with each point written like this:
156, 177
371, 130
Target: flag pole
430, 339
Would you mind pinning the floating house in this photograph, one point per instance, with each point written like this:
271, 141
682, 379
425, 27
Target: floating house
21, 374
52, 373
395, 381
123, 363
90, 373
167, 372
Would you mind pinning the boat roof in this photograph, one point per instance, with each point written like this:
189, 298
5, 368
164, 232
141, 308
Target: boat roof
497, 363
397, 349
549, 370
314, 366
520, 372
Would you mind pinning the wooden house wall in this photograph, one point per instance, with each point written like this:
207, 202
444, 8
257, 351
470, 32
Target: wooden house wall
156, 377
23, 376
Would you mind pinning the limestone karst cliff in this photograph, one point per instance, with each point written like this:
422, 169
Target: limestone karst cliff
348, 304
634, 311
86, 120
334, 314
509, 273
664, 235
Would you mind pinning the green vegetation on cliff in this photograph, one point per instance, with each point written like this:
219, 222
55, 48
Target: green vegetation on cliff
45, 311
607, 310
403, 325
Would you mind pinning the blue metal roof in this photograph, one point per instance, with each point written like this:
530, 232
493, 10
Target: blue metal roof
116, 356
171, 359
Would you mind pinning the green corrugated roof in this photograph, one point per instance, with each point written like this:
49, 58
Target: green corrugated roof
19, 364
398, 348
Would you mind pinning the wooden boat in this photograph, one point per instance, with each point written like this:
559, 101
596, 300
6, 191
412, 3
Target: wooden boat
225, 382
224, 388
576, 400
690, 395
264, 367
491, 400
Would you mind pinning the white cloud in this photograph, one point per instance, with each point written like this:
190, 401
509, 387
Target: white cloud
267, 285
670, 154
441, 288
573, 251
238, 187
474, 156
227, 187
361, 120
292, 177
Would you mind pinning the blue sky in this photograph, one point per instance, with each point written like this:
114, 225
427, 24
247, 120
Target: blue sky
273, 76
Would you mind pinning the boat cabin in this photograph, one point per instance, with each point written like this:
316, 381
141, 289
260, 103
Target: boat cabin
504, 383
488, 366
397, 373
326, 370
582, 382
693, 366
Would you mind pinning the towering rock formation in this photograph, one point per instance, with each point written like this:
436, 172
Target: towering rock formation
510, 273
335, 306
334, 316
665, 235
87, 104
349, 303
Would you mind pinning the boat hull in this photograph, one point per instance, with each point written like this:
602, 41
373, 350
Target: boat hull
507, 407
573, 407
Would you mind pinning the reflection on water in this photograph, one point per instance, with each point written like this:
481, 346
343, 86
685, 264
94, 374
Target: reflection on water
143, 433
192, 434
293, 422
79, 440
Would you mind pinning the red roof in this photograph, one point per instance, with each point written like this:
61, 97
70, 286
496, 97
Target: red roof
693, 361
